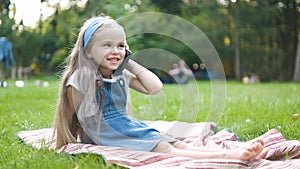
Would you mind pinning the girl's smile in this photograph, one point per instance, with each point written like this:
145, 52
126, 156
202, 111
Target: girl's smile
113, 60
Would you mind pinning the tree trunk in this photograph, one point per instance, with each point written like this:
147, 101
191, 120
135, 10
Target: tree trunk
290, 36
297, 64
237, 45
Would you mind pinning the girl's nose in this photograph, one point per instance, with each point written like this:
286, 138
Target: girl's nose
114, 50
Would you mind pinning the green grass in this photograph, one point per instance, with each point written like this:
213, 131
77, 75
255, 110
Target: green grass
266, 105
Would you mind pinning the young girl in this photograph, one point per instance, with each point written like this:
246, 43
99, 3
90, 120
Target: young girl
93, 97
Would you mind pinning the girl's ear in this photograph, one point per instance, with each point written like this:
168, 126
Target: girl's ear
88, 53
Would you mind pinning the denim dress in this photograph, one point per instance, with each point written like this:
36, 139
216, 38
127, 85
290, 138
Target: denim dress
117, 128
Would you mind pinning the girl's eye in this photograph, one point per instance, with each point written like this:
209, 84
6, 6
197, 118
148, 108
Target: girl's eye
121, 46
107, 45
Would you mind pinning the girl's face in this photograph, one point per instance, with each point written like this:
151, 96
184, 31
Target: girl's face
108, 50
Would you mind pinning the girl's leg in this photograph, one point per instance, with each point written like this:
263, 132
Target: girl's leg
249, 151
183, 145
181, 149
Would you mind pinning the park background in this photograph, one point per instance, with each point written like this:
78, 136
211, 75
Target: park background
250, 36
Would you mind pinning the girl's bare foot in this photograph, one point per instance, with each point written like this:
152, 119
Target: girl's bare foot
247, 153
257, 140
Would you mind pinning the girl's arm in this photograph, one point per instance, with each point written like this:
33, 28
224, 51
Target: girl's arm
144, 80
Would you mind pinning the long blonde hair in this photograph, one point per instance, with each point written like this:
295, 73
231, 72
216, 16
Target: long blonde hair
76, 60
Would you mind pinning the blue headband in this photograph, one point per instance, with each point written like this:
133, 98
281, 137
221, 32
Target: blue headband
91, 30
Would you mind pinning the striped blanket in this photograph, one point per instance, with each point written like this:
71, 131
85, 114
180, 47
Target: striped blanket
278, 152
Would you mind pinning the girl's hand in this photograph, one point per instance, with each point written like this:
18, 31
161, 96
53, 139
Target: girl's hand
144, 80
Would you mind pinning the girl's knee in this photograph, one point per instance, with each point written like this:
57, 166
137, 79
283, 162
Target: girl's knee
181, 145
163, 147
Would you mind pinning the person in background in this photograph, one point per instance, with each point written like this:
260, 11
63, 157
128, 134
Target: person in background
181, 73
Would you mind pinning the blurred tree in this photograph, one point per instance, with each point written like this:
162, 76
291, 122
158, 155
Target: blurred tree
6, 23
4, 6
267, 41
114, 9
267, 31
217, 24
289, 32
169, 6
58, 32
297, 64
6, 26
260, 43
26, 46
58, 60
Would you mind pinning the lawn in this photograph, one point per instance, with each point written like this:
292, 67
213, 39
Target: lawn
249, 110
